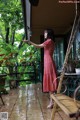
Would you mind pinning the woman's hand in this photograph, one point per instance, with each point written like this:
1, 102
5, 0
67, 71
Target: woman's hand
26, 41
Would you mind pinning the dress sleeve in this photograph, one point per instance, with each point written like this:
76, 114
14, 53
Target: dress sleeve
46, 42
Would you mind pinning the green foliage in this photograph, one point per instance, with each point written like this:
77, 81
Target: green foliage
11, 20
11, 12
12, 50
78, 64
7, 54
28, 54
4, 70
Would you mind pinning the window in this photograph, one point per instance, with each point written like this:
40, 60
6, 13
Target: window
59, 53
75, 51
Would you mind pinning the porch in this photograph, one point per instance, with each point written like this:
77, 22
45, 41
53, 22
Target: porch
29, 103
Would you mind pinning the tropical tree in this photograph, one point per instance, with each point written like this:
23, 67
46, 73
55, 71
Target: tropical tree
12, 49
11, 21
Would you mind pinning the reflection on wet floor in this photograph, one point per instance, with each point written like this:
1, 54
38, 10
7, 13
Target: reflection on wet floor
28, 103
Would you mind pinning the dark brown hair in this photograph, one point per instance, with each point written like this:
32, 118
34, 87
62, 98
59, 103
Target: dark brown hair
50, 34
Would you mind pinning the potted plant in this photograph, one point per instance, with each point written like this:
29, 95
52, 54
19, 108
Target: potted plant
77, 68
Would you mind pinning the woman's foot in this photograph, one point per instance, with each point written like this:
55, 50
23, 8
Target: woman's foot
50, 106
51, 103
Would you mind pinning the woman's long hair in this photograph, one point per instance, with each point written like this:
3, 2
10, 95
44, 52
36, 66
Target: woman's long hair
50, 34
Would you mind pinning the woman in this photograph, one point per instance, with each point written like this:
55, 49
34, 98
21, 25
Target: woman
49, 78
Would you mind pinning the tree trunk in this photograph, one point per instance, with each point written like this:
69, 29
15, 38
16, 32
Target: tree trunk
7, 35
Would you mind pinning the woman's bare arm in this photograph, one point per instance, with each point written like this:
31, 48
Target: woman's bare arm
36, 45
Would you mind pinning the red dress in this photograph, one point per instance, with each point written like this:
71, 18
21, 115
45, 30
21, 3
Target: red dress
49, 78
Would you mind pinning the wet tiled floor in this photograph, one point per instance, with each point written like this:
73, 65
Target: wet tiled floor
29, 103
